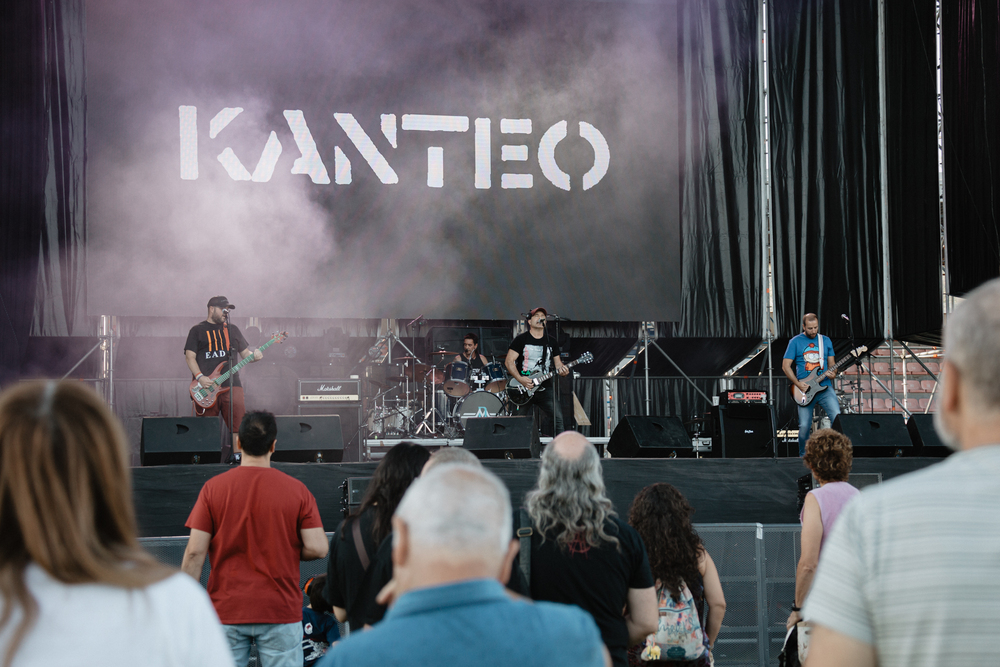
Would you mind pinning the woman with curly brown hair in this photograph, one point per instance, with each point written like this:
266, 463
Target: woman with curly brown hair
828, 456
662, 516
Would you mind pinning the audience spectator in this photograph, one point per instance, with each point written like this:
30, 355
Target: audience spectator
582, 553
256, 523
828, 457
452, 549
349, 587
319, 627
451, 455
75, 586
662, 517
910, 575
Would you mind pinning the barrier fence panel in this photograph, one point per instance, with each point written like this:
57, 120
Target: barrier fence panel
756, 564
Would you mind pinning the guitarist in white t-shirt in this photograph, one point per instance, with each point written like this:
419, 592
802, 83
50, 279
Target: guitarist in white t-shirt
807, 352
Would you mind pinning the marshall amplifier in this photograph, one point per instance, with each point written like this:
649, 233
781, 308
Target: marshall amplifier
329, 391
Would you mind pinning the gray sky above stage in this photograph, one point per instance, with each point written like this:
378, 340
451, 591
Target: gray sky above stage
334, 158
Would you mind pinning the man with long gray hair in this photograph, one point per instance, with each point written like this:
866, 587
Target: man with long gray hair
452, 551
582, 554
910, 574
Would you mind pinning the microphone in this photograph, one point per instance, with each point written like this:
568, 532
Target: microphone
845, 317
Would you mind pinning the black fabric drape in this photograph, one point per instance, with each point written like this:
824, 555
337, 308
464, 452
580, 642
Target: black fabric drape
825, 182
970, 34
60, 301
720, 170
911, 122
22, 174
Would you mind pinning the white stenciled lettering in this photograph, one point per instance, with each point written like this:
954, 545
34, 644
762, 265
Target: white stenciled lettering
435, 154
367, 148
309, 163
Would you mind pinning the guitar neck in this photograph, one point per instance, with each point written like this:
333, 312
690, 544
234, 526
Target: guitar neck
236, 369
542, 378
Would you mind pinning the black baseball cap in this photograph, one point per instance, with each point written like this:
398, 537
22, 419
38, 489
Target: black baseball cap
220, 302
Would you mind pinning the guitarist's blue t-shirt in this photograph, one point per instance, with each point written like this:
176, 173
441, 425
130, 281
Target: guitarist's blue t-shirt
210, 346
805, 352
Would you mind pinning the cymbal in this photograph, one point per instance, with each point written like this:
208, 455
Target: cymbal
406, 358
444, 352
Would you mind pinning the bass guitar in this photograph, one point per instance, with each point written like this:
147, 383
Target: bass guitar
518, 394
817, 375
207, 396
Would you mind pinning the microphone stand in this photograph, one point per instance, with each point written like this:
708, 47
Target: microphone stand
854, 346
232, 363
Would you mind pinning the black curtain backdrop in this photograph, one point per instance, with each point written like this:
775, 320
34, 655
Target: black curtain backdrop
23, 164
721, 293
970, 33
914, 223
825, 181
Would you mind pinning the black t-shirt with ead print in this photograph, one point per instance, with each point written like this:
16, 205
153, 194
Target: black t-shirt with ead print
211, 346
535, 354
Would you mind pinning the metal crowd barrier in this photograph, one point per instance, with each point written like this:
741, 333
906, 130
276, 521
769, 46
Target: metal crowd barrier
756, 564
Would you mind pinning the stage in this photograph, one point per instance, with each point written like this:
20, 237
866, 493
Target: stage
720, 490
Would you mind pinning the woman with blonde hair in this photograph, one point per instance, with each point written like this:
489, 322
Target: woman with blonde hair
75, 586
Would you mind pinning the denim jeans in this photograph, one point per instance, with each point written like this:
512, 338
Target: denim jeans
826, 400
278, 644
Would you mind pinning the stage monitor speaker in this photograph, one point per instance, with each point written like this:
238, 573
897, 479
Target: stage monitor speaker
302, 439
876, 435
350, 423
171, 440
745, 431
650, 437
499, 437
925, 438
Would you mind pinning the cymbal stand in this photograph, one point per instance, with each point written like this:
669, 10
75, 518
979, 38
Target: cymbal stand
432, 429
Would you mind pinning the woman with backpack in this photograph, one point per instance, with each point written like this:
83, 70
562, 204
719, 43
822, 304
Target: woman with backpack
689, 592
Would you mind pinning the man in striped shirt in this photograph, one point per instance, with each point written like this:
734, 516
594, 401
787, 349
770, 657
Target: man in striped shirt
911, 572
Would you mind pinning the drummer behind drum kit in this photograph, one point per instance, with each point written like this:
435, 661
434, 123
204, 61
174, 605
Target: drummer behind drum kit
434, 401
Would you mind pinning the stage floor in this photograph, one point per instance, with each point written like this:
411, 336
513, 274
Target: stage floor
720, 490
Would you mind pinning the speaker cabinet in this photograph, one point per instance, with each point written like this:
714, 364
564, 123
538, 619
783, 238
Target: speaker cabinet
745, 431
924, 437
303, 439
172, 440
350, 424
876, 434
499, 437
650, 437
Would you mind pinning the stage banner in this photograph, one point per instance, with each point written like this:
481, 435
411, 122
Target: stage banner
329, 158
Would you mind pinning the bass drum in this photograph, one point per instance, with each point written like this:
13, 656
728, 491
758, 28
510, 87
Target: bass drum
477, 404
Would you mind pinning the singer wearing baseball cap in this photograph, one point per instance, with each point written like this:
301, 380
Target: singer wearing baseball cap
212, 347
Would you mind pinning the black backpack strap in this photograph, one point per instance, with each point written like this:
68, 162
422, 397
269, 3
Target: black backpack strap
524, 532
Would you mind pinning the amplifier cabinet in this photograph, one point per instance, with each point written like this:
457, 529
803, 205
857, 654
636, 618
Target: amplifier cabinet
329, 391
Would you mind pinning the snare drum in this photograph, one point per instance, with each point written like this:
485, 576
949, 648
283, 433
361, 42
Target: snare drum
477, 404
498, 377
456, 379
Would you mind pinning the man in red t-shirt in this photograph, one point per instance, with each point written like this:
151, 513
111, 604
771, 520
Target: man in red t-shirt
255, 524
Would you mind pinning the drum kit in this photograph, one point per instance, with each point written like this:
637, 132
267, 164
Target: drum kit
419, 399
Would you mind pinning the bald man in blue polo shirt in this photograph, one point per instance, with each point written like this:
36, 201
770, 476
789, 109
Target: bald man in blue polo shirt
452, 549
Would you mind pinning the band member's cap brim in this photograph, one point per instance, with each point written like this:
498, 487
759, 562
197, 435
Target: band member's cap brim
220, 302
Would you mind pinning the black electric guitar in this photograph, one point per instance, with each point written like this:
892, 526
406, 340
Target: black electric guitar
207, 396
519, 395
814, 388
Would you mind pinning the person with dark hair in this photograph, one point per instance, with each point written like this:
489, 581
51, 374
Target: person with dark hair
470, 352
828, 456
349, 587
256, 523
678, 559
536, 350
212, 342
581, 553
319, 628
75, 586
